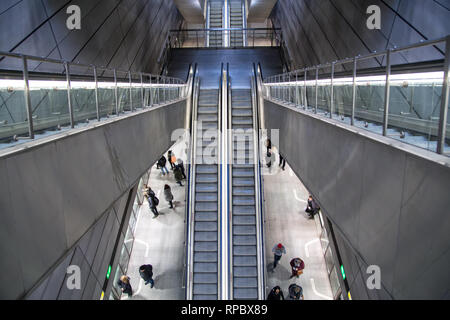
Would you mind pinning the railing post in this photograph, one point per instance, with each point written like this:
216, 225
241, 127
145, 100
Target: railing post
151, 92
317, 89
444, 100
387, 93
305, 102
289, 88
355, 64
196, 33
28, 97
116, 93
131, 91
296, 89
253, 38
332, 91
97, 106
69, 98
142, 90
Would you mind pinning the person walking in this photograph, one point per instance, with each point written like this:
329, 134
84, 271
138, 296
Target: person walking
276, 294
296, 292
153, 202
146, 273
297, 266
170, 158
269, 159
278, 251
181, 165
162, 165
178, 175
168, 195
269, 145
124, 284
282, 162
312, 207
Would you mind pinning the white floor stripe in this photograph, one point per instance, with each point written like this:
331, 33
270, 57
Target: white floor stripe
313, 284
308, 244
297, 197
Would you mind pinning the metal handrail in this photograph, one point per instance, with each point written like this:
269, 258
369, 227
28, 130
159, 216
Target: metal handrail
230, 157
191, 204
280, 80
257, 85
134, 80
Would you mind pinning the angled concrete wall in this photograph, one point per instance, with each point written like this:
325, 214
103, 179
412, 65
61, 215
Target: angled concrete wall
53, 191
388, 200
123, 34
326, 30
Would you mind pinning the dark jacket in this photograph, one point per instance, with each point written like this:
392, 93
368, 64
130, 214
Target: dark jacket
292, 294
162, 162
125, 286
274, 296
152, 201
168, 194
147, 274
178, 173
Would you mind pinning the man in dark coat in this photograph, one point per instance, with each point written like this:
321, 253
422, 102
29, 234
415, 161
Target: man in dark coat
312, 208
276, 294
146, 273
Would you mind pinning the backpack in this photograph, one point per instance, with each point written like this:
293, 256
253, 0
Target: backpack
156, 201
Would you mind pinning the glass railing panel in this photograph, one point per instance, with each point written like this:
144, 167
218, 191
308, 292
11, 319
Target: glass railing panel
83, 93
49, 102
123, 84
106, 93
414, 109
136, 91
13, 111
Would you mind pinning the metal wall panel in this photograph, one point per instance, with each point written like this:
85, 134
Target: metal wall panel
322, 31
113, 32
45, 203
388, 200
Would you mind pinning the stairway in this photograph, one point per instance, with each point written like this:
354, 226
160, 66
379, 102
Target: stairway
216, 21
236, 21
206, 270
244, 243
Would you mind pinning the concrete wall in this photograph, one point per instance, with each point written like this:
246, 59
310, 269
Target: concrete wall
52, 192
123, 34
327, 30
388, 200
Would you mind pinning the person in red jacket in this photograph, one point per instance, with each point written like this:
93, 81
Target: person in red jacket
297, 266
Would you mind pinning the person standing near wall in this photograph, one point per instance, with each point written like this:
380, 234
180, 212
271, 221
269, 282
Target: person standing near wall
125, 286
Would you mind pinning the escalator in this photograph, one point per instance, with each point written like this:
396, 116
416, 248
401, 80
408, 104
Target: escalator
246, 279
216, 22
236, 22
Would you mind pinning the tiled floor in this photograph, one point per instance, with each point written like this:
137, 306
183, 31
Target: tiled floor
286, 222
160, 241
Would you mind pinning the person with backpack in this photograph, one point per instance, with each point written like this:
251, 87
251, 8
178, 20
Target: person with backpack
124, 284
171, 158
276, 294
162, 165
178, 175
296, 292
153, 202
297, 266
146, 273
168, 195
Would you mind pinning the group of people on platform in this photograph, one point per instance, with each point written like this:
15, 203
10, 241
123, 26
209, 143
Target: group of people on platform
297, 267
